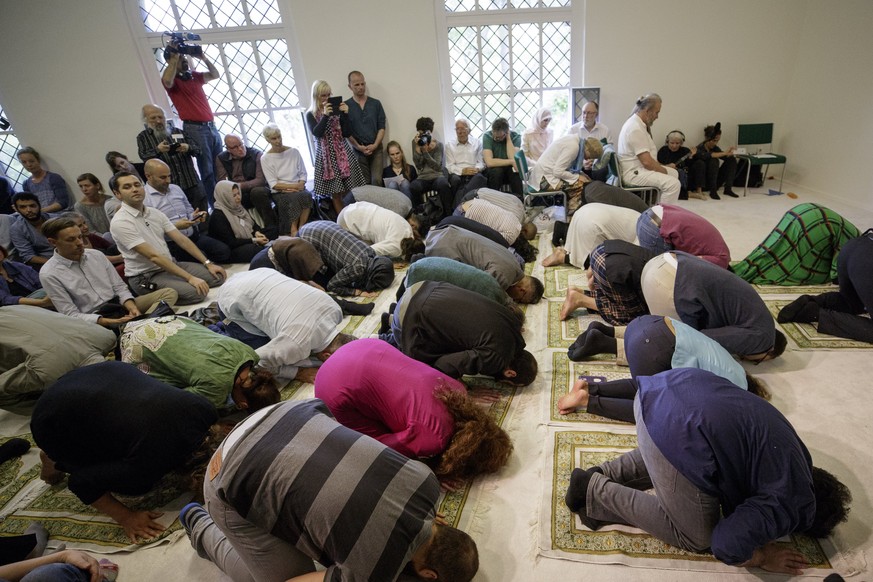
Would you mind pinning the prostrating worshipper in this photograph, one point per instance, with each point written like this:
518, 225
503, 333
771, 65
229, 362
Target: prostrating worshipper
502, 200
467, 247
713, 301
295, 258
838, 312
637, 152
356, 268
60, 566
19, 284
232, 224
293, 326
458, 274
387, 233
503, 221
461, 221
38, 346
393, 200
730, 474
667, 227
83, 283
146, 429
651, 344
291, 486
487, 340
139, 231
801, 250
591, 225
614, 283
373, 388
184, 354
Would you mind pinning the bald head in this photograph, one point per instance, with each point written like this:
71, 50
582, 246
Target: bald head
153, 115
158, 175
234, 144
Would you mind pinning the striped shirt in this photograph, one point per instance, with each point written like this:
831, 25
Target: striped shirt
342, 252
489, 214
181, 165
342, 498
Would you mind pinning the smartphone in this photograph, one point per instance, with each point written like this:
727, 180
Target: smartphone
334, 104
594, 379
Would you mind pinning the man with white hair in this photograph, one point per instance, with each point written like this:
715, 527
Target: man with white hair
637, 152
174, 147
464, 161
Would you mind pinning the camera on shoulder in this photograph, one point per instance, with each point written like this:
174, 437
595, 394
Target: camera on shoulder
178, 43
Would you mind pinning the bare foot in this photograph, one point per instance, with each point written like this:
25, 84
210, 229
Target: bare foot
556, 258
574, 300
577, 397
48, 472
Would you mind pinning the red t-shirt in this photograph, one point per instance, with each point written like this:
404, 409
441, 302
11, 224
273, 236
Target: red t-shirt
189, 99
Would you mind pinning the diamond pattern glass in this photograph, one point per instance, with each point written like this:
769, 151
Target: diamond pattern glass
157, 15
264, 12
278, 75
464, 59
243, 71
556, 54
526, 56
194, 15
460, 5
495, 57
524, 106
228, 13
470, 109
9, 146
497, 105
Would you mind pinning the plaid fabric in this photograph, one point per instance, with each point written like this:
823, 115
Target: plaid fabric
342, 252
617, 303
181, 165
801, 250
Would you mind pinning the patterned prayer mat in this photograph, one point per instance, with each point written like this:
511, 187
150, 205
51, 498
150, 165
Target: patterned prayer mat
563, 535
804, 336
563, 333
556, 280
794, 290
564, 374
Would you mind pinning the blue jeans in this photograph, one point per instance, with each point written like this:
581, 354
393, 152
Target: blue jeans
56, 573
209, 141
649, 234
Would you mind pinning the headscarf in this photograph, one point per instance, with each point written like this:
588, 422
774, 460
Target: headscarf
538, 138
240, 220
296, 258
380, 274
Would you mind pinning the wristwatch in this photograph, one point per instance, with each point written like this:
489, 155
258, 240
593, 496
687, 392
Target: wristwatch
207, 262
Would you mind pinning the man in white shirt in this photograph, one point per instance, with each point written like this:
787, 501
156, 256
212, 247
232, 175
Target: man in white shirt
464, 162
386, 232
589, 126
162, 195
139, 233
638, 154
299, 324
81, 282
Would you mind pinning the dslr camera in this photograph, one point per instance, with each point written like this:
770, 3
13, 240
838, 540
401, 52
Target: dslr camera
424, 139
176, 138
178, 43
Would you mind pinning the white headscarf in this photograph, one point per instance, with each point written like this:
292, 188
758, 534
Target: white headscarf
536, 138
240, 220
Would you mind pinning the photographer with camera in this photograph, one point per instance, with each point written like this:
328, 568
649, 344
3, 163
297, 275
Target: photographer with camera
174, 147
185, 88
428, 159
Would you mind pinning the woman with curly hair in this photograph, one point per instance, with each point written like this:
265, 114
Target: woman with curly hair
375, 389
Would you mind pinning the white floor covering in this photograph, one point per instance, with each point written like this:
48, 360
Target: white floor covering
825, 394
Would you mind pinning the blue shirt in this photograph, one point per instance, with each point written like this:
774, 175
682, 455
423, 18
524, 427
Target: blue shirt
695, 350
734, 446
21, 274
28, 241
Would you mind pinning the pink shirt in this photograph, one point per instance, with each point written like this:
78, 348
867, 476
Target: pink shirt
695, 235
375, 389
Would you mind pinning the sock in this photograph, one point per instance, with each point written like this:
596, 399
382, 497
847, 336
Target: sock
790, 311
578, 489
385, 325
590, 343
808, 314
41, 539
607, 330
352, 308
13, 448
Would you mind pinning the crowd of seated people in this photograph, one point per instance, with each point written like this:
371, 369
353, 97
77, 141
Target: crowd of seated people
112, 273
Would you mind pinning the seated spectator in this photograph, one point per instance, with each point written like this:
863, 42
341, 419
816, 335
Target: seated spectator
387, 234
802, 249
392, 200
293, 326
19, 284
590, 126
242, 165
637, 152
92, 206
398, 174
139, 231
286, 176
118, 162
498, 150
721, 481
146, 430
840, 313
706, 172
459, 244
674, 154
295, 258
614, 283
591, 225
67, 565
713, 301
486, 341
553, 171
373, 388
303, 450
427, 155
83, 283
50, 188
174, 147
31, 246
38, 346
667, 227
537, 138
232, 225
464, 162
162, 195
355, 268
184, 354
93, 241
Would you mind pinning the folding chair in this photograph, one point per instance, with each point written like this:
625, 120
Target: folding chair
530, 192
651, 195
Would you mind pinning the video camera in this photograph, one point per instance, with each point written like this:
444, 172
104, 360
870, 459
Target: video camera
177, 44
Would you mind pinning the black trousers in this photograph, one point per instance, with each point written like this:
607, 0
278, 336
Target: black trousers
710, 175
501, 175
838, 314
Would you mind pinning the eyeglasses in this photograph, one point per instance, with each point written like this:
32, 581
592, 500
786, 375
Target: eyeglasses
763, 358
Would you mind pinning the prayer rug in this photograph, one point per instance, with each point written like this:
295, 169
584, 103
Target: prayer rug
804, 336
563, 536
564, 374
794, 290
556, 280
563, 333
